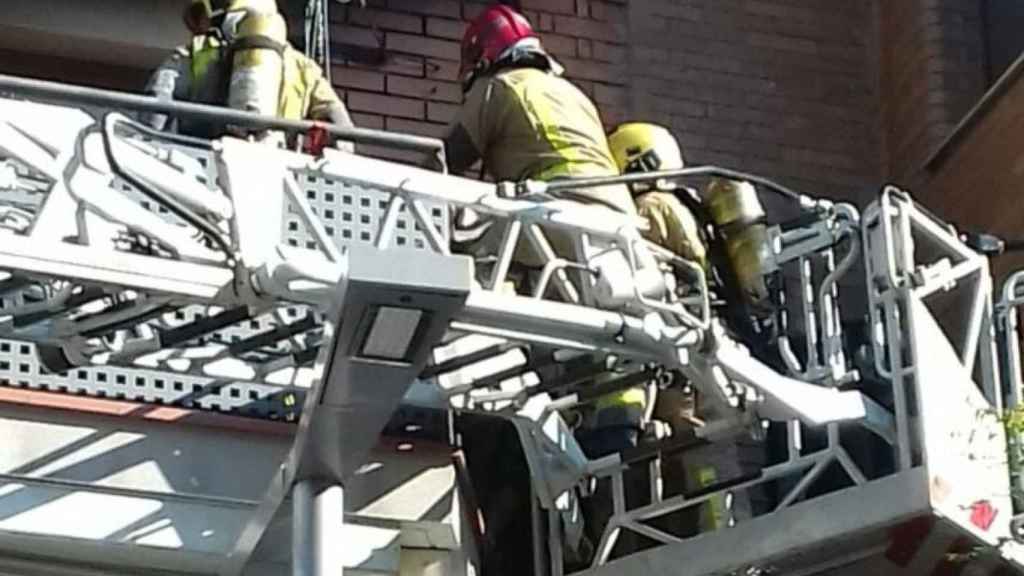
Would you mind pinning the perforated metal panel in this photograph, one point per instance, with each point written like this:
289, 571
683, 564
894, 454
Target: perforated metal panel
350, 214
353, 215
19, 367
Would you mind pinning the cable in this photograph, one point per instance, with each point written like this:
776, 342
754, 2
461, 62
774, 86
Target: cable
681, 173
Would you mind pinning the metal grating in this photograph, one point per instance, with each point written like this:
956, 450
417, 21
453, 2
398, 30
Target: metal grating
20, 368
351, 215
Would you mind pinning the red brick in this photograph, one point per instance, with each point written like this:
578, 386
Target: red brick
387, 20
583, 28
675, 105
678, 10
417, 127
472, 8
606, 94
605, 11
438, 112
590, 70
610, 52
425, 89
442, 28
556, 6
448, 8
342, 34
586, 86
386, 105
374, 121
356, 78
585, 49
442, 70
559, 45
404, 64
421, 46
782, 43
545, 22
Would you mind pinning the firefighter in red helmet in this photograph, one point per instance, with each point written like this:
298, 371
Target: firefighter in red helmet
521, 117
526, 122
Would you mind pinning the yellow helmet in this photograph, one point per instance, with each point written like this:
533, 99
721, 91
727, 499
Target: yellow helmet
643, 147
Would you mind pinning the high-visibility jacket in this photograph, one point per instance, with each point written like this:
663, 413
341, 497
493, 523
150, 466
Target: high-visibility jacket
199, 73
304, 92
672, 226
527, 123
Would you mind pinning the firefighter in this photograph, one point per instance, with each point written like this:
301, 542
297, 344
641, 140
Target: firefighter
644, 147
526, 122
264, 74
521, 117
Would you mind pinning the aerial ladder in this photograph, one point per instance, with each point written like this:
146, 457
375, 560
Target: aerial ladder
334, 277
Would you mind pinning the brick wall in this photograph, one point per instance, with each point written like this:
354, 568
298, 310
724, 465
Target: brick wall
932, 72
396, 61
978, 180
782, 87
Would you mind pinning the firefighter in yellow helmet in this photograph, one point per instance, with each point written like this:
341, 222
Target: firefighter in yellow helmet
643, 147
239, 56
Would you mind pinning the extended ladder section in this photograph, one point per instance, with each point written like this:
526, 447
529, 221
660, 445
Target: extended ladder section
336, 281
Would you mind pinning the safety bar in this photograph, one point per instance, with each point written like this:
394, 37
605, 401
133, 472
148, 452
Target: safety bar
640, 177
109, 98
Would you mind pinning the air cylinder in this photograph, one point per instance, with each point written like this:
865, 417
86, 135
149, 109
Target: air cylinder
257, 71
737, 212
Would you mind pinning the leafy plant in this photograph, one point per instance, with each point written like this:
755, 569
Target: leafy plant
1013, 423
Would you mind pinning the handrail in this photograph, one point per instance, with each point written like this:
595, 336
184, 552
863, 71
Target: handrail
644, 177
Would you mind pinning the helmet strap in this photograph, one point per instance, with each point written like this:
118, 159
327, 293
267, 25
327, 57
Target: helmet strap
482, 67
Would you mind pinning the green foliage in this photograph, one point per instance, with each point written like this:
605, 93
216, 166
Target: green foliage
1013, 422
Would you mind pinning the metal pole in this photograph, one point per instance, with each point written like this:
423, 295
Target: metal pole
326, 39
640, 177
302, 529
317, 522
27, 87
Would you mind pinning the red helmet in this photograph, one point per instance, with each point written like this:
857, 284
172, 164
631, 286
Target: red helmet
490, 34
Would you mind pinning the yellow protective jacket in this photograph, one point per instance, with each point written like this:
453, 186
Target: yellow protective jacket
526, 123
198, 73
672, 226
